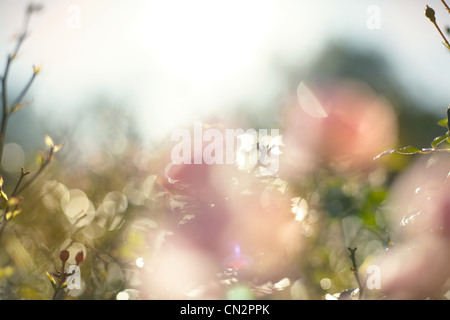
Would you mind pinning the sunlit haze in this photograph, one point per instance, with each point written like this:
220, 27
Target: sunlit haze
172, 62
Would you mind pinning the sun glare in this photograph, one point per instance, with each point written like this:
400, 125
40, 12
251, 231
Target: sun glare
202, 41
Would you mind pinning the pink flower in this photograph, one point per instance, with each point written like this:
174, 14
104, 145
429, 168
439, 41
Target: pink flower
418, 265
355, 124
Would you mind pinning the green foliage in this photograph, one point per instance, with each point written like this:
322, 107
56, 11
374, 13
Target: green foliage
438, 141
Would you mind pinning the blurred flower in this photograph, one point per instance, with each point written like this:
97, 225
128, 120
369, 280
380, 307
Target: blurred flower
343, 125
418, 264
179, 269
222, 218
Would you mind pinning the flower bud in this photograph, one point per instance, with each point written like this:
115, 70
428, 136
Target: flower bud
429, 13
64, 255
79, 258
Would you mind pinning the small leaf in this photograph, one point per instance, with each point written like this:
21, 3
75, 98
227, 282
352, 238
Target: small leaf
404, 150
49, 141
1, 181
442, 123
3, 195
16, 212
19, 106
384, 153
439, 140
37, 69
40, 158
11, 214
52, 280
58, 147
408, 150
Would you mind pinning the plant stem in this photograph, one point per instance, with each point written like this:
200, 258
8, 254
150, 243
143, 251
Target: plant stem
5, 109
442, 35
61, 280
430, 14
41, 168
446, 6
355, 272
24, 90
23, 173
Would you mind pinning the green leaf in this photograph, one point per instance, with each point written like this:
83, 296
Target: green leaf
40, 158
439, 140
443, 123
408, 150
404, 150
368, 218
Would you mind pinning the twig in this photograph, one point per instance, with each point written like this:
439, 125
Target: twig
446, 6
354, 269
37, 173
61, 280
430, 14
23, 173
5, 108
25, 89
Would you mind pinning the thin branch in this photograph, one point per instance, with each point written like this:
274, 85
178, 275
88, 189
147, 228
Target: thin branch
5, 109
446, 6
61, 280
24, 90
430, 14
47, 161
354, 269
23, 173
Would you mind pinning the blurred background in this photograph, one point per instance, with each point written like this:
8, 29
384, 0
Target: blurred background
168, 62
118, 77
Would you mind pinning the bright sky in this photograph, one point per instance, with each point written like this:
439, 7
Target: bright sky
176, 60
